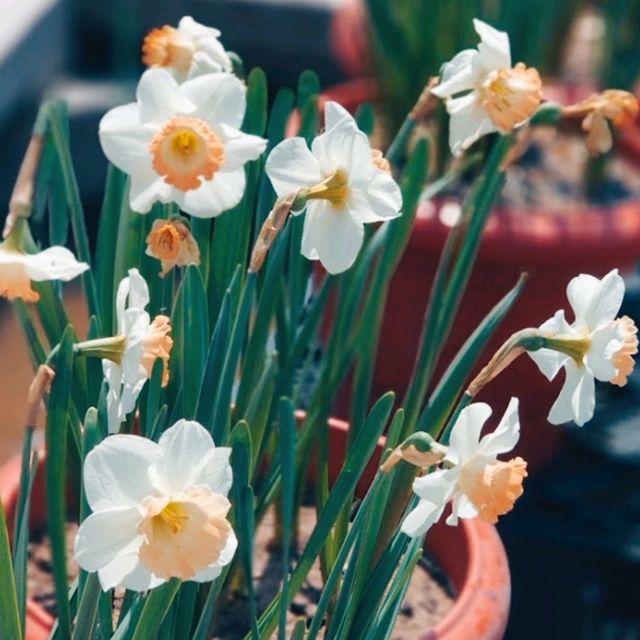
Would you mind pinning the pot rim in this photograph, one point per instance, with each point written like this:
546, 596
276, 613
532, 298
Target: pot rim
483, 586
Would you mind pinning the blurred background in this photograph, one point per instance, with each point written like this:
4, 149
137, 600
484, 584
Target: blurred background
574, 538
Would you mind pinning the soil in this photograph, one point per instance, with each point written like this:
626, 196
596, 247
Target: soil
429, 598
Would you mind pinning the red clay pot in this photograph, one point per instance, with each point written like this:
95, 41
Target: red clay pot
551, 247
471, 555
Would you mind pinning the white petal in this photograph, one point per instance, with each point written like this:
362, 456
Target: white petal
345, 147
420, 519
116, 471
240, 148
213, 197
291, 165
605, 342
147, 187
138, 290
468, 122
595, 301
220, 98
140, 579
461, 507
112, 574
494, 47
335, 113
194, 29
461, 73
215, 471
465, 435
184, 448
381, 200
160, 98
506, 434
106, 535
577, 398
124, 139
215, 569
437, 486
54, 263
550, 361
333, 235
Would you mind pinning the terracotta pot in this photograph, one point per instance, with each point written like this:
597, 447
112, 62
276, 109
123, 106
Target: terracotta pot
471, 555
551, 247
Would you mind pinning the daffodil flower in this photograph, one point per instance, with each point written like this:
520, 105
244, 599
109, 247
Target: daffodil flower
19, 269
495, 96
189, 51
171, 242
479, 484
596, 345
182, 143
140, 341
342, 183
159, 509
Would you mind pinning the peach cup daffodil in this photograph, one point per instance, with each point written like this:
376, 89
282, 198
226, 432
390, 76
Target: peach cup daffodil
140, 341
159, 509
182, 143
188, 51
483, 92
342, 183
596, 345
479, 484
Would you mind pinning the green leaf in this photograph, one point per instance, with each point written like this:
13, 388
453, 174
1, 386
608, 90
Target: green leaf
155, 609
88, 609
56, 439
363, 447
9, 615
287, 443
450, 386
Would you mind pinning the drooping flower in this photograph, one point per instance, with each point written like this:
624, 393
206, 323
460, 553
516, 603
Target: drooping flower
595, 345
191, 50
479, 484
18, 270
171, 242
141, 342
342, 185
159, 509
182, 143
496, 96
615, 106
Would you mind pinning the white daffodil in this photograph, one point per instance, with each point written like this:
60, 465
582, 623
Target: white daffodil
182, 143
18, 270
140, 342
495, 96
597, 345
344, 184
159, 509
189, 51
479, 484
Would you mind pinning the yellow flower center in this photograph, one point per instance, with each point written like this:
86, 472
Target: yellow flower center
334, 188
575, 347
166, 47
186, 151
184, 535
623, 359
157, 344
492, 485
510, 96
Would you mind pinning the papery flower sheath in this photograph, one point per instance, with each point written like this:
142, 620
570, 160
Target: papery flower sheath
142, 342
159, 509
344, 183
596, 345
18, 270
483, 92
191, 50
182, 143
479, 484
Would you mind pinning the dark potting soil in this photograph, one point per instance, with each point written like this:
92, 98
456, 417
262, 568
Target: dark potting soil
429, 598
551, 176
